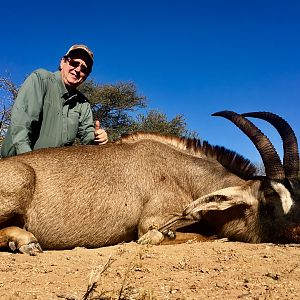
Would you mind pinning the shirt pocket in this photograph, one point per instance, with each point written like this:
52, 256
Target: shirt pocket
73, 124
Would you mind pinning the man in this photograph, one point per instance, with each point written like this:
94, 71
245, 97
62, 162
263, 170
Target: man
50, 112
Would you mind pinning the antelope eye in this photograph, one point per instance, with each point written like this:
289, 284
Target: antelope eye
269, 193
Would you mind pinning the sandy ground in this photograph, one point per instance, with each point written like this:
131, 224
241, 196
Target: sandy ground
208, 270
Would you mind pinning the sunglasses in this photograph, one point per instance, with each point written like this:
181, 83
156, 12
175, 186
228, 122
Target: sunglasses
75, 64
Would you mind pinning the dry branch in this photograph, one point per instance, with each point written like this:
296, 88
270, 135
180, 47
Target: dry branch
94, 278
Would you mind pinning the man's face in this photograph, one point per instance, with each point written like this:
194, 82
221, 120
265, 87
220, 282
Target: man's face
74, 70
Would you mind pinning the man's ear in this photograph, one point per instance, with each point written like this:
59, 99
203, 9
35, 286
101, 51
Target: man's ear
63, 61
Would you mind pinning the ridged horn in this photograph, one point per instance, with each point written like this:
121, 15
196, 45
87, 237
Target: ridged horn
271, 160
290, 144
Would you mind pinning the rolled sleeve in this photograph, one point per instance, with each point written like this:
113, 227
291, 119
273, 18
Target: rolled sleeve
27, 108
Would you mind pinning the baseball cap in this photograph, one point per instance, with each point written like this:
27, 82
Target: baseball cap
79, 48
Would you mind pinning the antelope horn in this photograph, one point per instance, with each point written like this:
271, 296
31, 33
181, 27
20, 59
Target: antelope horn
290, 145
271, 160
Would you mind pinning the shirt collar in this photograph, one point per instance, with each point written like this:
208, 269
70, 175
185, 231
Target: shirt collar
62, 88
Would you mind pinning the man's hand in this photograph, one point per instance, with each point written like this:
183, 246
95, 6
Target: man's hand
100, 134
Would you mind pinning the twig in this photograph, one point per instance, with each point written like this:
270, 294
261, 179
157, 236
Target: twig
125, 277
293, 269
123, 283
95, 275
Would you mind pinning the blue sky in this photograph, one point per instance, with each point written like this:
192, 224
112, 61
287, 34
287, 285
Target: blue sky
189, 57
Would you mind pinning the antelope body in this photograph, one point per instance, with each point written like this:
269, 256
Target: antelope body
147, 184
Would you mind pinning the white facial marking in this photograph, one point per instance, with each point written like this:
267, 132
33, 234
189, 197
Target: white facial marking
284, 195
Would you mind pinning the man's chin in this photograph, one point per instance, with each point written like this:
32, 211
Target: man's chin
73, 84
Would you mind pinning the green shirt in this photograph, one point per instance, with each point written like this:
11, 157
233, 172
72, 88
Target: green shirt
46, 115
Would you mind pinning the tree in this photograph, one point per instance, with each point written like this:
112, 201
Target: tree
156, 121
113, 105
8, 93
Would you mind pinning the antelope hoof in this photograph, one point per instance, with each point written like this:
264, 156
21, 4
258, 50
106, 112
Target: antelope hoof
152, 237
19, 239
31, 248
169, 234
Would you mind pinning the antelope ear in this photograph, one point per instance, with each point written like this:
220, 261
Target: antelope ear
217, 201
222, 199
